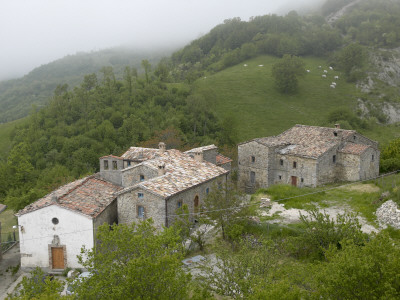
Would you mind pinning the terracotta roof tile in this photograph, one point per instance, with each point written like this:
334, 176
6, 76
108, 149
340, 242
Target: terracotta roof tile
182, 172
140, 154
221, 160
352, 148
309, 141
89, 196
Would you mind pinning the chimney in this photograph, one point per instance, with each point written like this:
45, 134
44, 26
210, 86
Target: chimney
161, 147
54, 198
198, 156
337, 126
161, 169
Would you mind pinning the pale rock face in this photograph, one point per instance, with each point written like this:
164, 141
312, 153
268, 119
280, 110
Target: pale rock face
389, 214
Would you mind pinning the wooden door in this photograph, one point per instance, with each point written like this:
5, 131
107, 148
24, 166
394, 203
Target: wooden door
57, 257
294, 180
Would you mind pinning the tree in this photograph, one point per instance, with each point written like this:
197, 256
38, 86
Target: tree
224, 205
147, 68
38, 286
134, 262
366, 272
351, 58
286, 73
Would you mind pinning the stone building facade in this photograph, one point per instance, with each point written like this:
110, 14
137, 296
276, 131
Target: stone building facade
307, 156
142, 183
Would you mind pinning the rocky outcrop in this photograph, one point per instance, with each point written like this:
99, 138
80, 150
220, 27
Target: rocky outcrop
389, 214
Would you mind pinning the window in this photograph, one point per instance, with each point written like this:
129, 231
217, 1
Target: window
140, 211
335, 133
115, 166
281, 162
54, 221
302, 180
253, 159
354, 137
105, 164
207, 191
280, 177
141, 177
140, 195
129, 163
334, 159
372, 158
252, 177
179, 203
294, 165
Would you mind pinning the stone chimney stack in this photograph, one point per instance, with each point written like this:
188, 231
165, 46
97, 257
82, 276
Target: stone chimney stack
161, 147
337, 126
161, 169
54, 198
198, 156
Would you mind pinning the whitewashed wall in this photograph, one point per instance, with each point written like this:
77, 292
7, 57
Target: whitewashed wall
74, 230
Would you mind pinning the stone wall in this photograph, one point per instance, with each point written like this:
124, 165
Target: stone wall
369, 166
131, 176
187, 197
259, 166
154, 207
210, 156
108, 215
349, 167
327, 169
305, 171
111, 174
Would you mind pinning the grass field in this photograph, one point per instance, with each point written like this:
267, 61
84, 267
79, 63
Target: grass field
248, 94
8, 220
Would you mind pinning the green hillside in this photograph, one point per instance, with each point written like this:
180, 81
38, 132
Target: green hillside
249, 94
18, 95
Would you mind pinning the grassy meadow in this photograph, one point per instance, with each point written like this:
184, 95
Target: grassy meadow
248, 95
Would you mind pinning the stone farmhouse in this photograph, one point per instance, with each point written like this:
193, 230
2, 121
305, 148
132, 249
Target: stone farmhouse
307, 156
142, 183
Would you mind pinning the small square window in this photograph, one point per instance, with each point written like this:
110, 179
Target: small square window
128, 163
280, 177
354, 137
140, 195
294, 165
334, 159
335, 133
141, 177
140, 211
253, 159
281, 162
302, 180
115, 165
207, 191
105, 163
179, 203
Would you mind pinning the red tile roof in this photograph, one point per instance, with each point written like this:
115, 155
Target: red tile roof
221, 160
88, 196
140, 154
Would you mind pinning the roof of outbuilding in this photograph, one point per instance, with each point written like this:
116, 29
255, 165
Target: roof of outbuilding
221, 160
88, 196
352, 148
307, 141
181, 172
